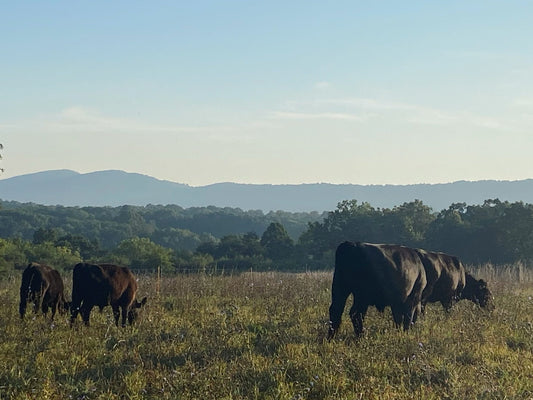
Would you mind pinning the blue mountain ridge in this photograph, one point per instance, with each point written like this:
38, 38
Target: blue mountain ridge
115, 188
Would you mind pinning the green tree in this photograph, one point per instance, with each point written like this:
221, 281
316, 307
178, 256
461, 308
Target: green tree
406, 224
44, 235
186, 261
277, 242
142, 253
88, 249
235, 251
12, 255
62, 258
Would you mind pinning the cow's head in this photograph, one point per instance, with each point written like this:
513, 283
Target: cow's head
132, 313
478, 292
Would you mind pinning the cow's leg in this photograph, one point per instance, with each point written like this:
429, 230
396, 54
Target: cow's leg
338, 300
75, 304
418, 311
413, 304
408, 318
36, 302
54, 308
357, 314
44, 308
124, 315
74, 310
116, 313
85, 311
43, 298
22, 308
397, 315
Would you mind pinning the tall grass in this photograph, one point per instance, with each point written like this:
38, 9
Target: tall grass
261, 336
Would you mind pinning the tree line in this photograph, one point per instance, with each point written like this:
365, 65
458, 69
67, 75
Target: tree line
206, 238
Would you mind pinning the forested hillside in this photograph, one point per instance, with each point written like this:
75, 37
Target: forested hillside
179, 239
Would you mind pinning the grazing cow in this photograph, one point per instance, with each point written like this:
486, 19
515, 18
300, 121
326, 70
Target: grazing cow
379, 275
445, 276
42, 286
447, 282
102, 285
476, 290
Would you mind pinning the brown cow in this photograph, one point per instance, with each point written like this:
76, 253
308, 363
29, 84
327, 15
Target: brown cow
42, 286
101, 285
376, 274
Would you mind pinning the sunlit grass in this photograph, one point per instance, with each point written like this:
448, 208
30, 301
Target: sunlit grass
261, 336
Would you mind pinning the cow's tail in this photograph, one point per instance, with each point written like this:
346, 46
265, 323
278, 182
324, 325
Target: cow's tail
25, 288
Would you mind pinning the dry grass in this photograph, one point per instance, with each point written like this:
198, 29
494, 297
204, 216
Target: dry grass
261, 336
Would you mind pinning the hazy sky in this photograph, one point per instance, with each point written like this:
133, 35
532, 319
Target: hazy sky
198, 92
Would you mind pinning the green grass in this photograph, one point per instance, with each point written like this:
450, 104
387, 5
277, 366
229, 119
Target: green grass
261, 336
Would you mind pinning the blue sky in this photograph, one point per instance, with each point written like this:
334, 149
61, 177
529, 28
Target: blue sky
201, 92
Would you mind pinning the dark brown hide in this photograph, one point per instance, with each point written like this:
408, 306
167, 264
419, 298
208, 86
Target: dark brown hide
102, 285
376, 275
42, 286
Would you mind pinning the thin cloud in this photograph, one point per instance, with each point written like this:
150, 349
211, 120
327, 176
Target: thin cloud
316, 116
82, 119
322, 85
407, 113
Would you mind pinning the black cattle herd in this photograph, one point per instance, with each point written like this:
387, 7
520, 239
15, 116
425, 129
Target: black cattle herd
398, 277
381, 275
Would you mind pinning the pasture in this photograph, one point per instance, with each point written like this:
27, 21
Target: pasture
261, 336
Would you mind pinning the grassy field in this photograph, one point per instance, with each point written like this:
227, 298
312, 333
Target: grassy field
261, 336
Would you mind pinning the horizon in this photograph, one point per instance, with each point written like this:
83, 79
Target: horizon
262, 184
276, 93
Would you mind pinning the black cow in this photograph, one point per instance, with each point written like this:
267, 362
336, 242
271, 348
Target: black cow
476, 290
101, 285
448, 282
445, 276
379, 275
42, 286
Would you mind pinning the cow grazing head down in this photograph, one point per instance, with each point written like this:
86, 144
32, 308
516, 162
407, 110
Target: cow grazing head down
102, 285
476, 290
133, 313
42, 286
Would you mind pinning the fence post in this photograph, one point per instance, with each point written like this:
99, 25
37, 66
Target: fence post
158, 281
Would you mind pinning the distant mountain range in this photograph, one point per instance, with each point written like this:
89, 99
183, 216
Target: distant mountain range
115, 188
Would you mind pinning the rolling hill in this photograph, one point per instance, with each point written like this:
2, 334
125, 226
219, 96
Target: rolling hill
114, 188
